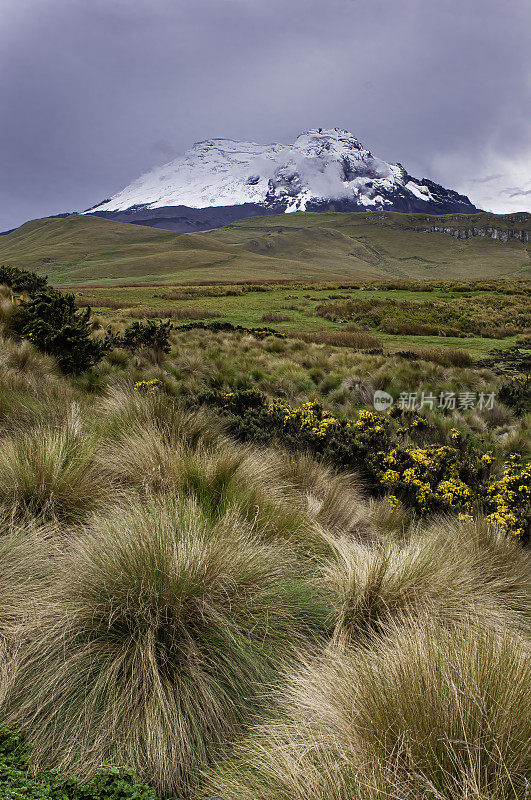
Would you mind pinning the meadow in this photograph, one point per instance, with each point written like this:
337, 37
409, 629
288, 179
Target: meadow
473, 316
226, 574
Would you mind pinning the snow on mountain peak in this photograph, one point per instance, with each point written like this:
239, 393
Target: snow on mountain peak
321, 166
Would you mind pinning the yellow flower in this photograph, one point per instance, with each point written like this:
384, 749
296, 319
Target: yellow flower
151, 387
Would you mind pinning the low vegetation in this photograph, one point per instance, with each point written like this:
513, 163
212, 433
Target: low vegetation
420, 711
488, 316
225, 573
430, 479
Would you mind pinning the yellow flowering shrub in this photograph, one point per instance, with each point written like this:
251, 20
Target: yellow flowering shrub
510, 499
149, 387
433, 478
310, 417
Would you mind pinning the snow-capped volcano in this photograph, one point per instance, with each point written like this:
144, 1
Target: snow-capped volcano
323, 170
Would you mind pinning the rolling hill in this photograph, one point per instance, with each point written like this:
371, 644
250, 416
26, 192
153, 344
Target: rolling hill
326, 245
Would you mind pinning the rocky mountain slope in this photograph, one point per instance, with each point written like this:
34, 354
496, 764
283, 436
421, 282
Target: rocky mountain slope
220, 180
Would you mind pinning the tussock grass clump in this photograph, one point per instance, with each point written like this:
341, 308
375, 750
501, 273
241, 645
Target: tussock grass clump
450, 570
388, 517
101, 302
123, 412
6, 310
31, 388
334, 499
49, 472
23, 368
446, 356
26, 563
24, 551
23, 357
154, 446
422, 713
163, 629
219, 476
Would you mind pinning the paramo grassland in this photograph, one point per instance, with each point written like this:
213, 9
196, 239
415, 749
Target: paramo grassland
225, 574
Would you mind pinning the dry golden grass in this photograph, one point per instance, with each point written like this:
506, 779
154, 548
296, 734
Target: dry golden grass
219, 475
49, 472
157, 638
446, 356
490, 579
25, 566
336, 500
422, 712
123, 411
27, 552
32, 391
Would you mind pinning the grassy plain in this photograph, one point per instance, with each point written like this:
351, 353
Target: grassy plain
162, 582
296, 306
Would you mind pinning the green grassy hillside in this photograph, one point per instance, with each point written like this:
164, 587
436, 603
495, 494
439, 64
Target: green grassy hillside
300, 246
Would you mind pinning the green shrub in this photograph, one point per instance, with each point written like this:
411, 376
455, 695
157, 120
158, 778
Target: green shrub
19, 782
54, 324
21, 280
148, 334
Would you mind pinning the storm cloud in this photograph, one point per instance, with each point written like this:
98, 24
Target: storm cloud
94, 92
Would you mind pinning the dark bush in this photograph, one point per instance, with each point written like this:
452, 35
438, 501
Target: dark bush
517, 394
21, 280
53, 323
510, 361
148, 334
259, 333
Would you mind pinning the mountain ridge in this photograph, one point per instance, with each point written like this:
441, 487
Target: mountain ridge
220, 180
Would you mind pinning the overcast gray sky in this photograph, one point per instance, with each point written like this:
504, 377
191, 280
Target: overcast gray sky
94, 92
